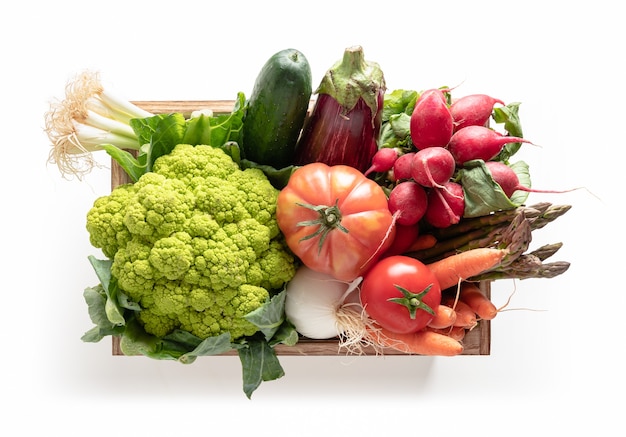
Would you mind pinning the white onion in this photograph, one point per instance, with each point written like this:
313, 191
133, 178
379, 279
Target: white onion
315, 304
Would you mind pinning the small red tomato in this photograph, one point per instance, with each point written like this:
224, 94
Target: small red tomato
401, 294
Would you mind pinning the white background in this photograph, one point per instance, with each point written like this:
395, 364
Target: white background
556, 361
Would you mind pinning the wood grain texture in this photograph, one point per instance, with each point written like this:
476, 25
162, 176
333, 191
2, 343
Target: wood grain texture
186, 107
476, 342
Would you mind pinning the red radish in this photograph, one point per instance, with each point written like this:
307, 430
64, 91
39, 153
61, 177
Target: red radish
472, 110
506, 177
479, 142
382, 160
431, 122
445, 205
432, 167
404, 238
408, 201
402, 166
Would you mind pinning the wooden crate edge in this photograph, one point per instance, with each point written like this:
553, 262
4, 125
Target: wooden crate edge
476, 342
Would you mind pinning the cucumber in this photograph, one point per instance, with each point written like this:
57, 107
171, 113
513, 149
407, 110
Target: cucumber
276, 109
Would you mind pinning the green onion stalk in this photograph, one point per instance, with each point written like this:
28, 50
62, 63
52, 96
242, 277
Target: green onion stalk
89, 117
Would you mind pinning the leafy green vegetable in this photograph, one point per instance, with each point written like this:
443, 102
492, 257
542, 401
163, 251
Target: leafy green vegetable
483, 195
259, 363
396, 132
219, 129
278, 177
136, 341
133, 166
102, 267
509, 116
182, 340
399, 102
168, 131
160, 133
209, 346
270, 316
106, 303
522, 171
111, 307
286, 334
96, 299
395, 128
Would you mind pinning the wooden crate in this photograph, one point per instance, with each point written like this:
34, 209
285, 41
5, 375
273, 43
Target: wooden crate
476, 342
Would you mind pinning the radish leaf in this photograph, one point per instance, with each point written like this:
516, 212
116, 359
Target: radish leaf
483, 195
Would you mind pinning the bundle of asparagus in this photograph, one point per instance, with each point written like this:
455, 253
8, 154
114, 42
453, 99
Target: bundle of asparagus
511, 229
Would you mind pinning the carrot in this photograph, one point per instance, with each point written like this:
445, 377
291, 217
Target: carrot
444, 317
473, 296
423, 241
455, 332
465, 316
455, 268
423, 342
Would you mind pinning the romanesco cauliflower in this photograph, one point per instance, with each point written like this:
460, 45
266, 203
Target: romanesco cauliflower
195, 242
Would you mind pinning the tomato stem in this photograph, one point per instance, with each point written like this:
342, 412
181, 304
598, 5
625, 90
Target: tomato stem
329, 219
413, 301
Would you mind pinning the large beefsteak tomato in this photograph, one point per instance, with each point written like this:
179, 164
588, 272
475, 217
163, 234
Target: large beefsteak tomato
401, 294
336, 220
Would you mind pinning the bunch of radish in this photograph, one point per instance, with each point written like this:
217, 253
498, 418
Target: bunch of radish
445, 136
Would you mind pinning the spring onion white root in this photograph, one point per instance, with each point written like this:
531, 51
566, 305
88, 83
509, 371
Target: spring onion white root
87, 118
322, 307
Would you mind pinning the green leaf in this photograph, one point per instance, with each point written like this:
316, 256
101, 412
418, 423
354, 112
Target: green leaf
114, 312
162, 132
136, 341
277, 177
482, 194
396, 132
168, 133
286, 334
522, 171
184, 339
131, 165
96, 300
102, 267
209, 346
399, 102
233, 150
509, 116
395, 128
258, 363
198, 130
95, 297
124, 302
269, 316
178, 343
216, 130
94, 335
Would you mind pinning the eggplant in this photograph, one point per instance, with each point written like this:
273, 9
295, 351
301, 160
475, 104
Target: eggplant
344, 124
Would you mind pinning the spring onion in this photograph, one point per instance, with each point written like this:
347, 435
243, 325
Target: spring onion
90, 116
